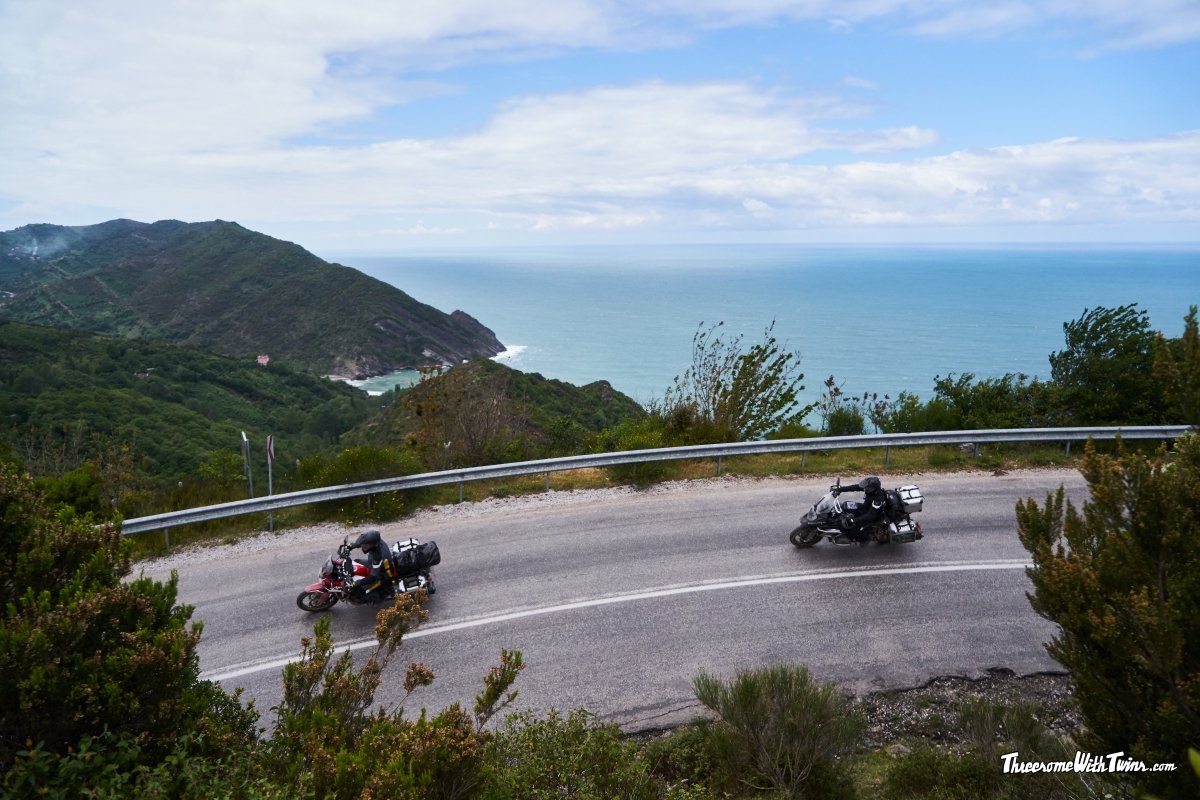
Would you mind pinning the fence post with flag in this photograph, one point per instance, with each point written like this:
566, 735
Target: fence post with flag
246, 457
270, 480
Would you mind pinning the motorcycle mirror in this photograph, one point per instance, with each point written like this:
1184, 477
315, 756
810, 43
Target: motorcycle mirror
839, 481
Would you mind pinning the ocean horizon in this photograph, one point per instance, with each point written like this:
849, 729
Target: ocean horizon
880, 319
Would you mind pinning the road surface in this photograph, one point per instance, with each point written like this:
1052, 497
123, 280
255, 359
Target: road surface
617, 597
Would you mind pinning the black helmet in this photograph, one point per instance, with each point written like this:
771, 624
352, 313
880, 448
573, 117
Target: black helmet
368, 541
871, 483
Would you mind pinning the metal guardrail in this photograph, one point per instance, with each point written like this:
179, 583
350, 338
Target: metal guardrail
173, 519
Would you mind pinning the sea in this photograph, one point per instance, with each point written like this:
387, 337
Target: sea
877, 319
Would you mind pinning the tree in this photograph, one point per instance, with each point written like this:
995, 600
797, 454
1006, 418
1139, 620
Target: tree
1177, 368
466, 420
1106, 370
83, 653
1122, 581
731, 395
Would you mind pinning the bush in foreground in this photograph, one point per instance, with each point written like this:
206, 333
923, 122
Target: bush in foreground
1122, 581
778, 729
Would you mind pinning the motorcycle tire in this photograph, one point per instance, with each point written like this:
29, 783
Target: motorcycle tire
805, 537
316, 601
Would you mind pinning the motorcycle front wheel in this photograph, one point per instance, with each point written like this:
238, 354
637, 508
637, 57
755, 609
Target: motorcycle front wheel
316, 601
805, 537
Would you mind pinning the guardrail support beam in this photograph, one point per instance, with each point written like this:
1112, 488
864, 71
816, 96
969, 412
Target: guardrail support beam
976, 455
803, 459
460, 483
887, 455
547, 480
167, 538
718, 466
1068, 447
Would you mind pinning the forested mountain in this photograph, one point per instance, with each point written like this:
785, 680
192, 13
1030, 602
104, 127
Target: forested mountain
235, 291
70, 396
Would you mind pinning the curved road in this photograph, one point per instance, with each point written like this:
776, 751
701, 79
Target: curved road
616, 598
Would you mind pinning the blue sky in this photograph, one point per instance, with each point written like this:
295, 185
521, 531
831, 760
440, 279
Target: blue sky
382, 126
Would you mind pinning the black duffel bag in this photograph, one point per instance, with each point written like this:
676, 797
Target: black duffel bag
427, 555
423, 556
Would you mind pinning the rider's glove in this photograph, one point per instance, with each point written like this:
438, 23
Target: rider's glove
835, 490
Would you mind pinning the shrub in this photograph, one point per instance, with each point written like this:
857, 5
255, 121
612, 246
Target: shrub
1122, 581
83, 654
929, 773
356, 465
684, 755
907, 414
637, 434
326, 742
845, 421
728, 395
571, 756
1006, 402
82, 489
779, 729
224, 467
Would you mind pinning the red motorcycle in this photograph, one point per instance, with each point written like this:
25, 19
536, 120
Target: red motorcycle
411, 563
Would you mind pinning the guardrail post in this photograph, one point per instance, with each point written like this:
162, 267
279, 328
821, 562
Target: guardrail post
887, 455
460, 483
976, 456
547, 480
718, 466
803, 459
1068, 447
167, 537
368, 504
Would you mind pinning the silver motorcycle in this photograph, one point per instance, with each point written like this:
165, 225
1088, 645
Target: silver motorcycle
832, 519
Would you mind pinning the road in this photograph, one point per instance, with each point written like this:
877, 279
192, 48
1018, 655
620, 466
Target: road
617, 597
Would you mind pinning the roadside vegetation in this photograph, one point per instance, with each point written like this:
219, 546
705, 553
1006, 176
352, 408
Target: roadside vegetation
100, 695
128, 428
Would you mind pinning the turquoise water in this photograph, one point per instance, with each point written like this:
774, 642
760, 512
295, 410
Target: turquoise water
400, 379
883, 319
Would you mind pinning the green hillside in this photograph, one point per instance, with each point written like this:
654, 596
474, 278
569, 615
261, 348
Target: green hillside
235, 291
557, 411
67, 394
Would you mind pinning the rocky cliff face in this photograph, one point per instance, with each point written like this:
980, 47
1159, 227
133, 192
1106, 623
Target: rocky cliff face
235, 291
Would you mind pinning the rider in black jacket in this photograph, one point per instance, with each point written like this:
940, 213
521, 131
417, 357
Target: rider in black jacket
870, 510
377, 585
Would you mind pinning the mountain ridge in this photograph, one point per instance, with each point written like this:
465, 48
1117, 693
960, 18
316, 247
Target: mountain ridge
236, 291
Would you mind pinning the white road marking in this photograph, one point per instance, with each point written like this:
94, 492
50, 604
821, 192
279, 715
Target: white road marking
251, 667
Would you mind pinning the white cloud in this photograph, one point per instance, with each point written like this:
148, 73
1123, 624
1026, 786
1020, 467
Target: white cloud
859, 83
659, 155
420, 228
157, 109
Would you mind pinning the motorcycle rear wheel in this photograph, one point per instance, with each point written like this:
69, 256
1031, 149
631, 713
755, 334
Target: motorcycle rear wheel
805, 537
316, 601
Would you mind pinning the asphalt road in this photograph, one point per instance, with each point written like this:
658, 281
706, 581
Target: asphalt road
617, 598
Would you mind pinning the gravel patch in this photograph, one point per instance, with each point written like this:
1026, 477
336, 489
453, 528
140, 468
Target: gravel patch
929, 714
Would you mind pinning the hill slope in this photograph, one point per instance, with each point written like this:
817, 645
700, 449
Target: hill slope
70, 392
219, 285
544, 401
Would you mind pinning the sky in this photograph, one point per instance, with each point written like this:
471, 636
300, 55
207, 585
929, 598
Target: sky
377, 126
